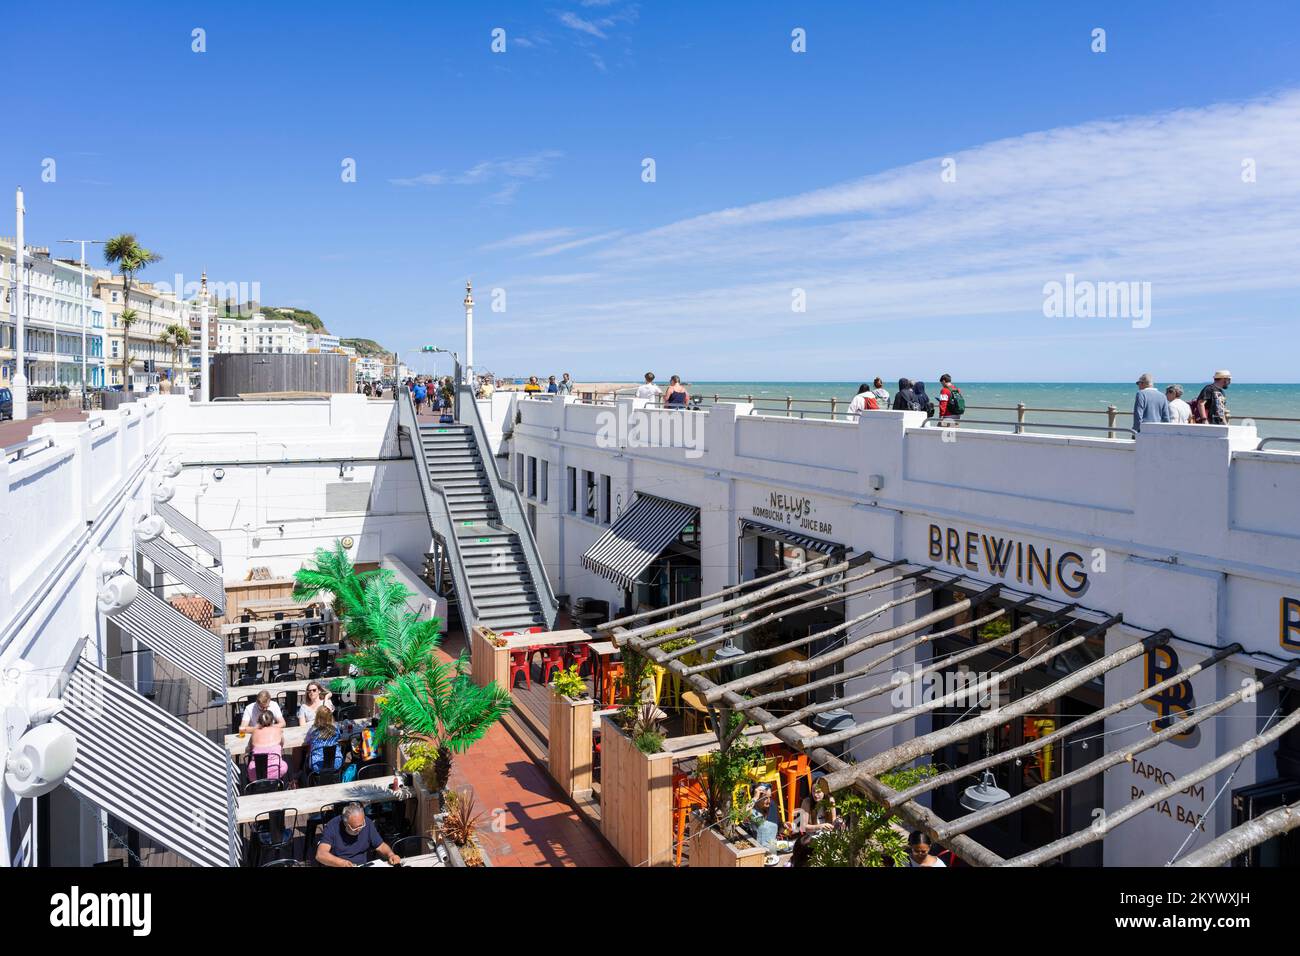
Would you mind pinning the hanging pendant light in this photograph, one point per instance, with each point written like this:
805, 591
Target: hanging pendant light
984, 794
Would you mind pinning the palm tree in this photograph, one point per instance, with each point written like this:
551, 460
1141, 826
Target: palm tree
178, 336
420, 699
129, 317
130, 257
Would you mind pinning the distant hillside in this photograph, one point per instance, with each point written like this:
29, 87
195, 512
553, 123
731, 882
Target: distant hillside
366, 347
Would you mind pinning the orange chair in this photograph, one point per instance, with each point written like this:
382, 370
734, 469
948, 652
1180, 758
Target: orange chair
687, 795
793, 768
609, 678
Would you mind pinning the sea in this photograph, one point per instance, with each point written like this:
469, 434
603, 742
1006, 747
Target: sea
1084, 403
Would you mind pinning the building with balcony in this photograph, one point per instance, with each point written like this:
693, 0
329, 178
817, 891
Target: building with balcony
145, 346
261, 333
53, 323
322, 342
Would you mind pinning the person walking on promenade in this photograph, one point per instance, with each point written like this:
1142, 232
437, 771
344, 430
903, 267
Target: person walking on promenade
552, 387
565, 386
952, 404
923, 401
1180, 413
1149, 405
882, 394
905, 398
419, 393
648, 389
864, 401
532, 388
1211, 406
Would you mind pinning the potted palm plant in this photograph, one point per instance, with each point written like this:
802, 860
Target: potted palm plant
428, 708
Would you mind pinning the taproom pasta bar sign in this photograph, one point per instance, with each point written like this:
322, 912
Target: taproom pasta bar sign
995, 556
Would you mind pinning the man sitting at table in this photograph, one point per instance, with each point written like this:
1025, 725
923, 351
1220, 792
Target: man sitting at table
253, 713
348, 839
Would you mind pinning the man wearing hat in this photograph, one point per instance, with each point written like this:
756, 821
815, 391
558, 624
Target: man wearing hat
1211, 406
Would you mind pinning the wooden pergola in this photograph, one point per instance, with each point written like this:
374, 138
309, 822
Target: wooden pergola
734, 611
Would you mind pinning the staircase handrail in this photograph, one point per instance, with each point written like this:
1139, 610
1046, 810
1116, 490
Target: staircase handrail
436, 506
509, 506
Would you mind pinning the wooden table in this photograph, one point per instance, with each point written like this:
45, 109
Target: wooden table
308, 800
269, 626
568, 636
424, 859
270, 606
252, 690
294, 737
297, 653
696, 745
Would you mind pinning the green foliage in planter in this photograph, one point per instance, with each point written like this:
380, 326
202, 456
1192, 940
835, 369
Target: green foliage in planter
646, 729
569, 683
721, 772
676, 644
637, 669
870, 834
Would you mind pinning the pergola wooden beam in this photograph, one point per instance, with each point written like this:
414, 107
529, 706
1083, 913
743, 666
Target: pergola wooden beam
691, 602
810, 638
862, 670
807, 604
936, 740
1102, 764
1068, 730
1245, 837
947, 700
694, 617
1103, 825
916, 815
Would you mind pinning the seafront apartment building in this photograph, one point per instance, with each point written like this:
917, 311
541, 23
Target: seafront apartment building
1173, 551
53, 321
261, 333
146, 341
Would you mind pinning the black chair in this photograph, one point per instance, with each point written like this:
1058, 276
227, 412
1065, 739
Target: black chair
250, 671
317, 820
272, 836
290, 708
246, 617
282, 639
279, 615
237, 712
320, 664
348, 712
262, 786
285, 861
310, 611
317, 778
374, 771
284, 668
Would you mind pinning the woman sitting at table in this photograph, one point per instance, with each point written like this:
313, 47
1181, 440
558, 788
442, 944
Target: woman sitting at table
324, 733
317, 697
267, 738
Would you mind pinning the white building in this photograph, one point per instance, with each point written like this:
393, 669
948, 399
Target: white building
261, 334
1079, 525
322, 342
370, 368
53, 321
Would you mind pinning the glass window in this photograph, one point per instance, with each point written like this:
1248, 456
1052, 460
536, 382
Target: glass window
606, 511
571, 476
589, 495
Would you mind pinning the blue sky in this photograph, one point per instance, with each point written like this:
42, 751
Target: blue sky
775, 171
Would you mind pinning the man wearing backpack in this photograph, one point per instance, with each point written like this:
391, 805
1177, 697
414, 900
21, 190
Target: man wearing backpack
952, 404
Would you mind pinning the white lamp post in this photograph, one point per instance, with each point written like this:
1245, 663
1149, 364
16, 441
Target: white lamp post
469, 333
20, 305
203, 340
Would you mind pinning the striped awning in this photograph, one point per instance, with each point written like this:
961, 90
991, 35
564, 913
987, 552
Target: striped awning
171, 635
151, 771
185, 569
805, 541
189, 530
637, 538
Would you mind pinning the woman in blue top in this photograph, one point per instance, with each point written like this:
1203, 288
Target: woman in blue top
324, 733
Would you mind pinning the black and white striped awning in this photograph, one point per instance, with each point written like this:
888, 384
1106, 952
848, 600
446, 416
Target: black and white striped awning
189, 530
805, 541
637, 538
170, 634
150, 770
185, 569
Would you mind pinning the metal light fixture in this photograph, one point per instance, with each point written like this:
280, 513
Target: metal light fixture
984, 794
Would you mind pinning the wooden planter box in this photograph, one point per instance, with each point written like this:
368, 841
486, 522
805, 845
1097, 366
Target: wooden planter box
569, 744
710, 848
636, 799
486, 662
455, 858
428, 805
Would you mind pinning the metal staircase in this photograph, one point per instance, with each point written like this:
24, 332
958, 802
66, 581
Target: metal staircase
494, 564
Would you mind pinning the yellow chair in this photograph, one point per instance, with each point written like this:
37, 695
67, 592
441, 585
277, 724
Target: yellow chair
769, 773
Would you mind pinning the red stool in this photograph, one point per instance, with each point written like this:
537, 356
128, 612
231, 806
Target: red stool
519, 665
578, 655
552, 661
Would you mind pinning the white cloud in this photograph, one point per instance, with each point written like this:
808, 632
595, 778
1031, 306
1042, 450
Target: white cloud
511, 174
577, 243
575, 22
525, 239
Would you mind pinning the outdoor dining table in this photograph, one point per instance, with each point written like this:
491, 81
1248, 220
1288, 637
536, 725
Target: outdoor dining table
234, 693
270, 625
424, 859
603, 651
294, 737
297, 653
269, 607
307, 800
